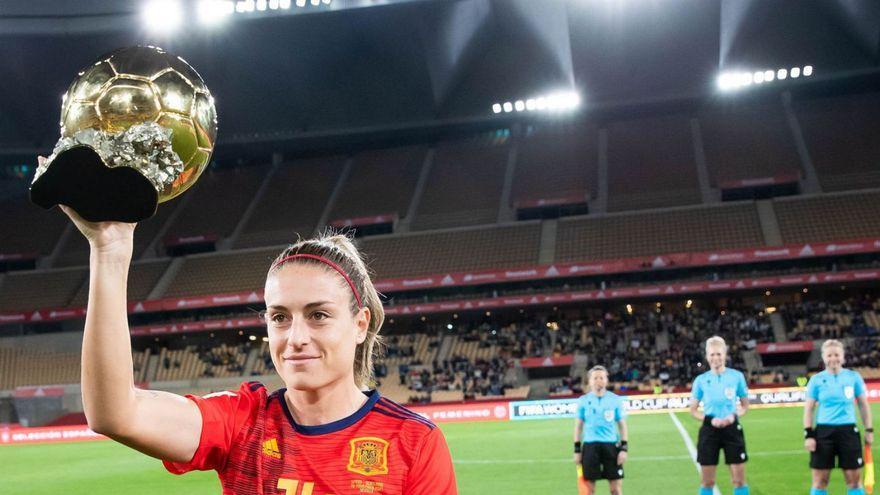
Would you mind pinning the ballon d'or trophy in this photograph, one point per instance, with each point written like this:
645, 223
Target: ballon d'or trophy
137, 129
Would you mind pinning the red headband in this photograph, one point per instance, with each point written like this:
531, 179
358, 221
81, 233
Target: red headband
327, 262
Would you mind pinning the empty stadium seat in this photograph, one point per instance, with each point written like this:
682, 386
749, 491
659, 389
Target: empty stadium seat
651, 164
556, 162
293, 202
829, 217
464, 185
748, 142
841, 136
657, 232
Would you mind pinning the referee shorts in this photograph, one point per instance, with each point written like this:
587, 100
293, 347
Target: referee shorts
599, 460
837, 442
712, 440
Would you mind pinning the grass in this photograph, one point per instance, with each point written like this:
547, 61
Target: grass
520, 457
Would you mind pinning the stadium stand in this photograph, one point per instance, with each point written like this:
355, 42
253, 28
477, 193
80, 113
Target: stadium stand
228, 272
464, 185
22, 291
454, 250
651, 164
217, 202
20, 367
556, 162
748, 142
831, 217
202, 361
811, 320
142, 278
657, 232
18, 230
841, 136
365, 192
293, 203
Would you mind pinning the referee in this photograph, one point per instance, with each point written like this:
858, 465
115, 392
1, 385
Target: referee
600, 434
836, 434
720, 389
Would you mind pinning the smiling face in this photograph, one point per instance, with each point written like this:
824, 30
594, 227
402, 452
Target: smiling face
833, 357
716, 355
313, 332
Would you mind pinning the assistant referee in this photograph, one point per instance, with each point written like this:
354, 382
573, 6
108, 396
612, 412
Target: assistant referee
836, 434
600, 434
721, 390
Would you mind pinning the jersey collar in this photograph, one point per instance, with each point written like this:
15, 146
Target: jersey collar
340, 424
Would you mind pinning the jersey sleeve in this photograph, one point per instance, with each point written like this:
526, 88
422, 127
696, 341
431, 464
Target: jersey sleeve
697, 389
432, 472
742, 390
224, 414
859, 385
813, 388
581, 412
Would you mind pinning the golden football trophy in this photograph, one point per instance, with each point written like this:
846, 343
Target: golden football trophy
137, 129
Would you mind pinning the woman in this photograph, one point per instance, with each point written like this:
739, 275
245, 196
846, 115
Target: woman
321, 434
725, 399
600, 434
836, 434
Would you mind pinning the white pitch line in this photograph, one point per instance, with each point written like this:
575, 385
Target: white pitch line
690, 446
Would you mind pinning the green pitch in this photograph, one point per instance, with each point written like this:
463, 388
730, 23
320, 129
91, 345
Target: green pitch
522, 457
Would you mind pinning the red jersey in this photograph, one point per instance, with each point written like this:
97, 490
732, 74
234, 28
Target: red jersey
250, 438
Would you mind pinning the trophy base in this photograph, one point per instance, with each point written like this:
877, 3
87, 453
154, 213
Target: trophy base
78, 178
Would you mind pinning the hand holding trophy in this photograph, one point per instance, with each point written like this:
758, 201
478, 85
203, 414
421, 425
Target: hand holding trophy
137, 129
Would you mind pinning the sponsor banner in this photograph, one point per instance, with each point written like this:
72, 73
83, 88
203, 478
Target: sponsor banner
760, 181
52, 434
574, 199
41, 391
190, 239
783, 347
654, 403
540, 362
360, 221
197, 326
468, 411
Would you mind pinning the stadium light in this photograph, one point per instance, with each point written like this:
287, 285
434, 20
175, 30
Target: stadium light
273, 4
733, 80
284, 4
163, 15
261, 5
212, 12
558, 101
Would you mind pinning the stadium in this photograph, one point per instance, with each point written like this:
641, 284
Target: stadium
538, 187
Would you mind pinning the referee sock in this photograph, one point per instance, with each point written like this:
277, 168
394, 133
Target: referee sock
705, 491
818, 491
743, 490
855, 491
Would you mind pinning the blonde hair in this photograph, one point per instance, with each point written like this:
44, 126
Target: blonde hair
833, 343
592, 370
341, 250
715, 340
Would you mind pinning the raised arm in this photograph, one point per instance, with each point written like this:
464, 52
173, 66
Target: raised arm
159, 424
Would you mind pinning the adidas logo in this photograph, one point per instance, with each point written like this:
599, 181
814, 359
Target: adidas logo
270, 449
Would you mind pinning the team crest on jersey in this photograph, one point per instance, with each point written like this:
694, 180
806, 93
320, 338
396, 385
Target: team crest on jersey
849, 392
369, 456
729, 393
609, 415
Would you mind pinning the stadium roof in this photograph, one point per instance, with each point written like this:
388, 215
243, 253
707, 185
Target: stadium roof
384, 63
